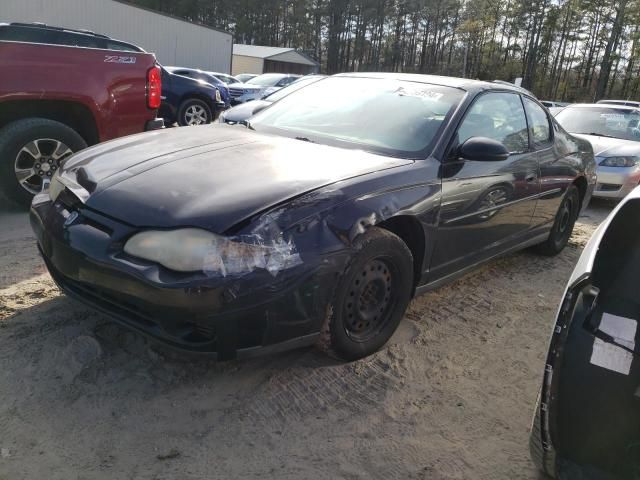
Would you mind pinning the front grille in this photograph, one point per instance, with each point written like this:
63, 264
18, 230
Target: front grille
185, 334
236, 92
608, 187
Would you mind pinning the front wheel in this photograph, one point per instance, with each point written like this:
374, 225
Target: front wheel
563, 224
31, 150
194, 112
371, 297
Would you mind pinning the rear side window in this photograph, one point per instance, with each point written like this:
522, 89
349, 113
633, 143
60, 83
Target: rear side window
60, 37
26, 34
539, 126
79, 40
124, 47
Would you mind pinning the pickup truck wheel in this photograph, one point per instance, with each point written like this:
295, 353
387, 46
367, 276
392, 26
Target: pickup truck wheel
370, 298
194, 112
31, 150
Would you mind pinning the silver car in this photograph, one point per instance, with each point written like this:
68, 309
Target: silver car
614, 133
259, 87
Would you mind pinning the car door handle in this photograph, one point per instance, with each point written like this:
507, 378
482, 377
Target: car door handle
532, 177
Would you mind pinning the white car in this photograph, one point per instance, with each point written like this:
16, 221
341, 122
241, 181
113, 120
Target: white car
614, 133
259, 87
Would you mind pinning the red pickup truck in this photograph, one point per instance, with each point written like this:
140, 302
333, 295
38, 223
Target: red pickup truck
61, 90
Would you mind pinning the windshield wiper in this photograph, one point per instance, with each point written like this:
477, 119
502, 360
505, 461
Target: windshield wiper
304, 139
597, 134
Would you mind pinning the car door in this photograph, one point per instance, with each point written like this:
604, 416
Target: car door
557, 170
486, 205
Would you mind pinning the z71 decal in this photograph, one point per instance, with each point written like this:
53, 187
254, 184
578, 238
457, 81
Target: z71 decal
119, 59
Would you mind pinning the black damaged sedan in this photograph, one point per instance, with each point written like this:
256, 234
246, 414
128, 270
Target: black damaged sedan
318, 222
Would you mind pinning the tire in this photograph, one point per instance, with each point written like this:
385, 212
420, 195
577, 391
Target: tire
563, 224
194, 112
23, 143
370, 298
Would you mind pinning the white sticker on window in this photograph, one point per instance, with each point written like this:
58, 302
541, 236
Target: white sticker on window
612, 357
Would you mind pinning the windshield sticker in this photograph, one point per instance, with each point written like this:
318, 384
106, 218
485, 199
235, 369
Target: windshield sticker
405, 91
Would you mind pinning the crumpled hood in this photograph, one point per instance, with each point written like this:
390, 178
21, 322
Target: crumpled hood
210, 176
611, 147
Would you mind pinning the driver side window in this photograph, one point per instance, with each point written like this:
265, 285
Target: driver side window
499, 116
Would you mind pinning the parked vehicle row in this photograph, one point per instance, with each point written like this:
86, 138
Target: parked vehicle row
259, 87
191, 97
242, 112
117, 89
47, 116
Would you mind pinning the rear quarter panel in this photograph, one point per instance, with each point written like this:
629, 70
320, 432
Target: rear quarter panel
111, 84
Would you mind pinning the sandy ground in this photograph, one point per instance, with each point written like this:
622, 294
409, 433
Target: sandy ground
450, 397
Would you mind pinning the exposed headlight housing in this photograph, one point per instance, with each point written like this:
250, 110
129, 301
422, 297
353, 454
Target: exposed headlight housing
55, 187
628, 161
196, 250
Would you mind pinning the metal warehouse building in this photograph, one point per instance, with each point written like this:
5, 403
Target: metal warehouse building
174, 41
258, 59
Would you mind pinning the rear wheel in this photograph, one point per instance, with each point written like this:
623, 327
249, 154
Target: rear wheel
31, 150
371, 297
194, 112
563, 225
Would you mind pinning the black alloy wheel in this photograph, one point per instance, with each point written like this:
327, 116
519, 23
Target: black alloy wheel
31, 151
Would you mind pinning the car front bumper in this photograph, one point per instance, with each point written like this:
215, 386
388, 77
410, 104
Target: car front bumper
232, 317
616, 182
247, 97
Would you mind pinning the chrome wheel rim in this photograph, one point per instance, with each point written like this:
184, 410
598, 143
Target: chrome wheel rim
37, 161
195, 115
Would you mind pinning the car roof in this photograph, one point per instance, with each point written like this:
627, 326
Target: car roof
455, 82
631, 103
85, 33
604, 105
54, 28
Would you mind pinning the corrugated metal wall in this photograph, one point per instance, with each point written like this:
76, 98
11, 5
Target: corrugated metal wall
174, 41
242, 64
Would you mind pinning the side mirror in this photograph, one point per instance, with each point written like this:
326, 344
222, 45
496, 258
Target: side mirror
260, 107
483, 149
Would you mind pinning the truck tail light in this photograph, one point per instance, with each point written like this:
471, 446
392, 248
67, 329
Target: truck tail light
154, 87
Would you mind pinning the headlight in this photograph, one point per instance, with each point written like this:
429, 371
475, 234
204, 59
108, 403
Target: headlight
194, 250
55, 186
619, 162
218, 97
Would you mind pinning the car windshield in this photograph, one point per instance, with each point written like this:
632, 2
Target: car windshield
265, 80
392, 117
295, 86
606, 121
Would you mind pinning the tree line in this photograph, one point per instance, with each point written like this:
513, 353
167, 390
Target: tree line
571, 50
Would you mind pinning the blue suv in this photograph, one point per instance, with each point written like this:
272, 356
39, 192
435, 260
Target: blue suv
188, 100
